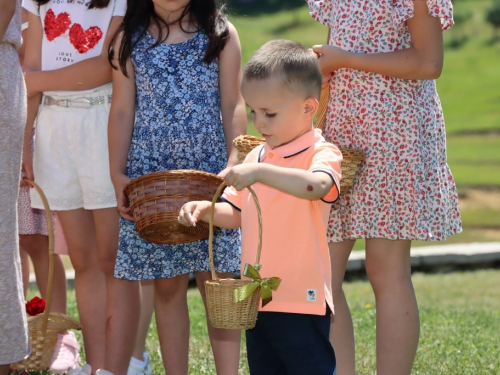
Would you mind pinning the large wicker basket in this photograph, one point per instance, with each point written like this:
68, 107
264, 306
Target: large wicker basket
222, 311
157, 198
44, 328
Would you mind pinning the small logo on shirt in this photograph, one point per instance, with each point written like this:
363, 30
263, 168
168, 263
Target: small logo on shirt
311, 295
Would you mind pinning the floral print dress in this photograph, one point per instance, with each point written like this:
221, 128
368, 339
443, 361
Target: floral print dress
178, 126
404, 189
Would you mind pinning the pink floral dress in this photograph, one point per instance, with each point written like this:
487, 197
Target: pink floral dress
404, 189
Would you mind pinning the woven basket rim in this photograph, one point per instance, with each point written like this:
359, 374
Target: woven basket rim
173, 172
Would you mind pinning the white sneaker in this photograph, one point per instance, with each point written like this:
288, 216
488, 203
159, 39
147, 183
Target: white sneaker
85, 370
137, 367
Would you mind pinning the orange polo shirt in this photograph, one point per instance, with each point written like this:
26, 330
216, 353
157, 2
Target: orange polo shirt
294, 242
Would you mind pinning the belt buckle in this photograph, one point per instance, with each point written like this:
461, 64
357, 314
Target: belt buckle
62, 102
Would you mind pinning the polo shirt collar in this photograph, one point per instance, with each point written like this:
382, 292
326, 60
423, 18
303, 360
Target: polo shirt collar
295, 147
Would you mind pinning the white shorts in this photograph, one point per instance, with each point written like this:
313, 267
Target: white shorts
71, 162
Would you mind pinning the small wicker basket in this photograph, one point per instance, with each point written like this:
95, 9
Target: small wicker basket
157, 198
222, 311
44, 328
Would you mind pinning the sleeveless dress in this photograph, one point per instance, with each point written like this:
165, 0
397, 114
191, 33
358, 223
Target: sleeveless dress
404, 189
178, 126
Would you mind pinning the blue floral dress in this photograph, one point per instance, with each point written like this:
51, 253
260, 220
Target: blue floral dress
178, 126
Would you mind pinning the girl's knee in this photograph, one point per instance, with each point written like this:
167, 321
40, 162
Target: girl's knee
387, 279
107, 265
167, 290
82, 260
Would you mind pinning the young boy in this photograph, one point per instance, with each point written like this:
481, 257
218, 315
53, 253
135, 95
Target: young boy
295, 175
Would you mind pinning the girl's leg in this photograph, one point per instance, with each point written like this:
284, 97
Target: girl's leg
25, 267
4, 369
341, 329
90, 287
172, 320
123, 298
389, 271
225, 342
147, 307
36, 245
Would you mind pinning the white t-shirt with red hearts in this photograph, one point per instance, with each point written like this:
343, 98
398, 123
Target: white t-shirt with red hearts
72, 32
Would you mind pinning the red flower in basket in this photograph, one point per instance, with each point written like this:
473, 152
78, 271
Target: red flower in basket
35, 306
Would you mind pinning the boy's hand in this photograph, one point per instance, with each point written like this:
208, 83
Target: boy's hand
242, 175
191, 212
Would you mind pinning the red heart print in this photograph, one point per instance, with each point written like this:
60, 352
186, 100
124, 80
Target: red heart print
83, 40
55, 26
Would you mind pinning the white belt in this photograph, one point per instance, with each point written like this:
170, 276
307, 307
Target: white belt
77, 102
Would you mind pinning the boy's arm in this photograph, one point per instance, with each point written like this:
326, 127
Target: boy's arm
298, 182
225, 215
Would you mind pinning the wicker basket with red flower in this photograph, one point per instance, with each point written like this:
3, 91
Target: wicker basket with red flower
43, 325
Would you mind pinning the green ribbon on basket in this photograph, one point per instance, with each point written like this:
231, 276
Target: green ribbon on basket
267, 285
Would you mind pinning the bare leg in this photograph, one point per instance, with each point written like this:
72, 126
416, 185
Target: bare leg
25, 268
147, 307
90, 288
4, 369
123, 296
36, 245
389, 271
172, 320
341, 329
225, 342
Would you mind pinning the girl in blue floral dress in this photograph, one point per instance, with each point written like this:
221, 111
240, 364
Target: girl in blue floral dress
176, 105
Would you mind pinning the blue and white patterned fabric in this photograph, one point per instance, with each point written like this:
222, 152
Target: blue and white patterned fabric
178, 126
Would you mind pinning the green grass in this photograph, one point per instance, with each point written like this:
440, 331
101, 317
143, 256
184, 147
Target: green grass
459, 313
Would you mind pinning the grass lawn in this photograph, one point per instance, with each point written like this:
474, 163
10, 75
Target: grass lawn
459, 326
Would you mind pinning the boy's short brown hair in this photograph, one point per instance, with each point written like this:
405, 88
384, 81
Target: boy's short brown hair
297, 65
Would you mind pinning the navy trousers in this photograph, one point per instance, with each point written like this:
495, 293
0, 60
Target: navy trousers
290, 344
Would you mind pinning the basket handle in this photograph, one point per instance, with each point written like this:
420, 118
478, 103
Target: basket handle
211, 229
50, 226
